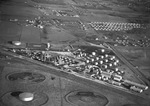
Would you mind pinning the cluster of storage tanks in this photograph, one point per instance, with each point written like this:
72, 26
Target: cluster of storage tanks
111, 26
105, 67
99, 64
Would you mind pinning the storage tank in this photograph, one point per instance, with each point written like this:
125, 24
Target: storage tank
136, 89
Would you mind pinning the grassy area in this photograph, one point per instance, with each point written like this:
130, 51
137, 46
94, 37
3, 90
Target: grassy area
53, 2
139, 58
9, 31
54, 34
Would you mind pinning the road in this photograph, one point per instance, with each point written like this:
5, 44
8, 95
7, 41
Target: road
138, 74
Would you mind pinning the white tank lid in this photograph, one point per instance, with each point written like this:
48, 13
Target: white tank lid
17, 43
26, 96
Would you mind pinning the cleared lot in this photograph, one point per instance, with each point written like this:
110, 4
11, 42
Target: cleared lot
56, 34
30, 34
9, 31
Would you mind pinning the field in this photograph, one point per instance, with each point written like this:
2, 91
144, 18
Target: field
62, 24
138, 57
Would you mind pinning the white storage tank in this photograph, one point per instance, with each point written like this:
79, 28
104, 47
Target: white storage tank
17, 43
136, 89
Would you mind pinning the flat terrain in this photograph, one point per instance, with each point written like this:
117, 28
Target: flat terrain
139, 58
122, 25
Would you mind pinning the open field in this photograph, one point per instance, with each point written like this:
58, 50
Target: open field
9, 31
61, 27
138, 57
50, 2
57, 34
